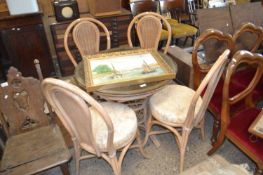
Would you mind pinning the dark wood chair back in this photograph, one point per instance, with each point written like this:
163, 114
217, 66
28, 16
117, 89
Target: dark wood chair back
138, 7
248, 37
212, 44
234, 126
22, 103
174, 7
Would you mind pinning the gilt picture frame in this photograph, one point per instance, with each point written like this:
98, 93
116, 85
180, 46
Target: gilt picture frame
256, 128
124, 68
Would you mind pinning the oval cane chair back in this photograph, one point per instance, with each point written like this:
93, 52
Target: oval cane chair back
248, 37
234, 126
149, 28
212, 43
86, 36
94, 127
179, 108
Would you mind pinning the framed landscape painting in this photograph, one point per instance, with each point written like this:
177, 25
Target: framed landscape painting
256, 128
124, 68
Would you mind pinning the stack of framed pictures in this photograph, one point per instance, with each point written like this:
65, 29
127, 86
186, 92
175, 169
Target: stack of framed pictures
256, 128
116, 69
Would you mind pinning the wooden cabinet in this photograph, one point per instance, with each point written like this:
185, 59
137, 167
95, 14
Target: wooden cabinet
116, 24
23, 39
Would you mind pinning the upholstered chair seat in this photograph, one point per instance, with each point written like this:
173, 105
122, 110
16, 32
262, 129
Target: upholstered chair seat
243, 78
164, 35
124, 122
179, 109
216, 102
238, 131
180, 30
171, 104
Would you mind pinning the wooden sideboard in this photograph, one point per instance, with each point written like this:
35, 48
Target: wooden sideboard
23, 39
116, 24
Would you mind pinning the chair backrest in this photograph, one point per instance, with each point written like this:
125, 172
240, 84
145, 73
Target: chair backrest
141, 6
212, 44
248, 37
22, 103
86, 35
72, 105
149, 28
174, 7
206, 90
239, 59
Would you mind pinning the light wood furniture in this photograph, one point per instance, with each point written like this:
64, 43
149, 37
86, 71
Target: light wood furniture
22, 40
33, 145
149, 30
86, 35
135, 96
234, 126
99, 129
116, 24
179, 109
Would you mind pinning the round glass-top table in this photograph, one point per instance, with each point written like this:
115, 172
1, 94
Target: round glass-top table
125, 93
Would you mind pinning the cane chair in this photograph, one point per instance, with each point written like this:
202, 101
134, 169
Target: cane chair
234, 126
149, 29
142, 6
100, 129
179, 30
86, 36
33, 144
180, 109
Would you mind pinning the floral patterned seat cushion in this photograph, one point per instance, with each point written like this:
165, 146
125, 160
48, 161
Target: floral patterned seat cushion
124, 122
171, 103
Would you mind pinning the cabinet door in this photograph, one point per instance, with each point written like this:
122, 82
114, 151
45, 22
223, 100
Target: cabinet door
25, 44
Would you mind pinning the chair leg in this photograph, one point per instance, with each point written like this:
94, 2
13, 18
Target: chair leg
182, 148
202, 129
219, 142
64, 169
185, 40
138, 137
115, 165
215, 130
77, 156
259, 171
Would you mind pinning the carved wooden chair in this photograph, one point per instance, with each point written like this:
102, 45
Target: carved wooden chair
100, 129
248, 37
149, 29
33, 145
86, 34
180, 109
179, 30
207, 48
234, 126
